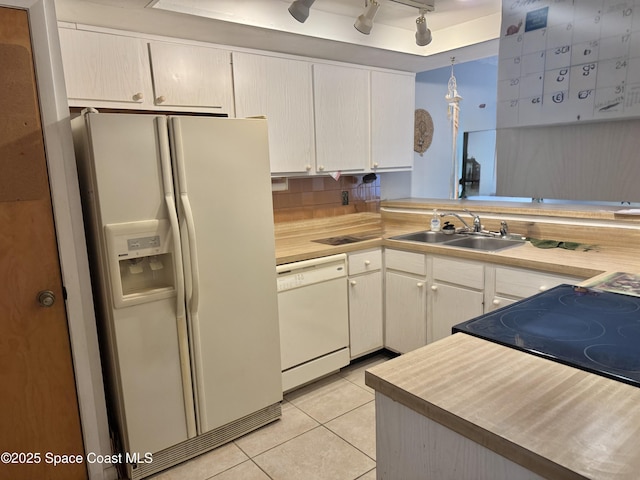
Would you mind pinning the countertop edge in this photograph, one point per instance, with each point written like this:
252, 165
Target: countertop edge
512, 451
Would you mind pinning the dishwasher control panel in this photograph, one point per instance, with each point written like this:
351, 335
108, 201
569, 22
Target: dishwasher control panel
308, 272
293, 280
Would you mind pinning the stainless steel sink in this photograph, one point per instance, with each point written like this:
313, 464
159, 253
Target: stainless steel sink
490, 244
461, 240
426, 236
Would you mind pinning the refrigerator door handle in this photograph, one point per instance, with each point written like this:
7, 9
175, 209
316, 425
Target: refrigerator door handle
193, 305
181, 317
188, 216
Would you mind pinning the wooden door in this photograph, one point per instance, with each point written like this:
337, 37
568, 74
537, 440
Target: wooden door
38, 404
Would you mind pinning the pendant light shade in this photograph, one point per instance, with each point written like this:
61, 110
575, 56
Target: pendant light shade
299, 9
423, 34
364, 23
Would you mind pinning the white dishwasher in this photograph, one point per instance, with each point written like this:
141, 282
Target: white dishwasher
314, 318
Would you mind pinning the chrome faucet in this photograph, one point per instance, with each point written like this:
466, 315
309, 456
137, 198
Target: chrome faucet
504, 229
453, 214
477, 225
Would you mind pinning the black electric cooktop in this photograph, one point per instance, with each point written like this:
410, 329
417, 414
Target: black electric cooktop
589, 329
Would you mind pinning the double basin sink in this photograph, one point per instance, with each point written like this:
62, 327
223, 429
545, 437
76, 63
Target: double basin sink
461, 240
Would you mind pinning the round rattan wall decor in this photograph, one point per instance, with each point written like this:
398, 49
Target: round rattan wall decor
423, 131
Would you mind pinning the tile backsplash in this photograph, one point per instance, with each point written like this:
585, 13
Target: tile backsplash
321, 197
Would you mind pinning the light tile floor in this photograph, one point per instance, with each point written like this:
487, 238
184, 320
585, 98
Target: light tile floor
327, 432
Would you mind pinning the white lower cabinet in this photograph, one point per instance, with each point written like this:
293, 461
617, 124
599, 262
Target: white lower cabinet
426, 295
506, 285
405, 301
365, 302
456, 294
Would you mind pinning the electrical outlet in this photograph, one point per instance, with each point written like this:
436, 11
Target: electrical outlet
345, 197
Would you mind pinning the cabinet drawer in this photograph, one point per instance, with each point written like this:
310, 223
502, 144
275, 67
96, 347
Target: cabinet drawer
524, 283
406, 261
363, 262
459, 272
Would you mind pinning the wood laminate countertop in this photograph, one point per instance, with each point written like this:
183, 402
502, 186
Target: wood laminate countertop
557, 421
297, 241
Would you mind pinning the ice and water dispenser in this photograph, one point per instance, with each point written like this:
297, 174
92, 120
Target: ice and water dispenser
141, 261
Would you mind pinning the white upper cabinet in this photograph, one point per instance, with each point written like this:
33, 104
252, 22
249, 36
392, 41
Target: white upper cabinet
101, 69
192, 76
341, 102
282, 90
392, 117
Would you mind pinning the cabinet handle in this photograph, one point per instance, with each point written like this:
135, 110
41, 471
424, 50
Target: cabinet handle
375, 165
434, 287
138, 96
367, 262
161, 99
542, 288
308, 167
419, 284
353, 283
321, 168
496, 301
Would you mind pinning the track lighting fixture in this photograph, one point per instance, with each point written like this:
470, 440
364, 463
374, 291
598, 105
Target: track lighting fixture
299, 9
364, 23
423, 34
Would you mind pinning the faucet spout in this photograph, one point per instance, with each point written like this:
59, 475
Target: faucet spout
453, 214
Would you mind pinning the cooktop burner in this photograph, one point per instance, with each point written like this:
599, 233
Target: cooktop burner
589, 329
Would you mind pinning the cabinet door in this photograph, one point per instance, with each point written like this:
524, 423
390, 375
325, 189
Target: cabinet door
100, 68
392, 117
341, 102
520, 283
406, 312
365, 313
282, 90
192, 76
451, 305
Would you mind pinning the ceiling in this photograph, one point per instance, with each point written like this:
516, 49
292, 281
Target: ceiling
466, 29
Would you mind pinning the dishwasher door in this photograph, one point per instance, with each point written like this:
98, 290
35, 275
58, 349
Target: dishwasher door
314, 319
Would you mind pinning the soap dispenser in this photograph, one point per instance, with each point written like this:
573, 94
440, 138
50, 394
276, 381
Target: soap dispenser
435, 221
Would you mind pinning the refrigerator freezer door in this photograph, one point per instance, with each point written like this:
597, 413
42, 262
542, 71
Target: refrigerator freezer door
223, 173
150, 376
122, 177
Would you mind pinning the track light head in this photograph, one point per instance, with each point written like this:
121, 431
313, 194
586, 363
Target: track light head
364, 23
299, 9
423, 34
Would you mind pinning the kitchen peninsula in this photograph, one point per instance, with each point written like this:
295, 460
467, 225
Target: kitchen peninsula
465, 408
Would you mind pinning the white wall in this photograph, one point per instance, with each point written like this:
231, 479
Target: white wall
477, 84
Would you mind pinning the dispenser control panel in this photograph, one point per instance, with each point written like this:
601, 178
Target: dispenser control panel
143, 242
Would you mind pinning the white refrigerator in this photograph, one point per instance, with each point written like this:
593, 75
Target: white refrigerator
180, 230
